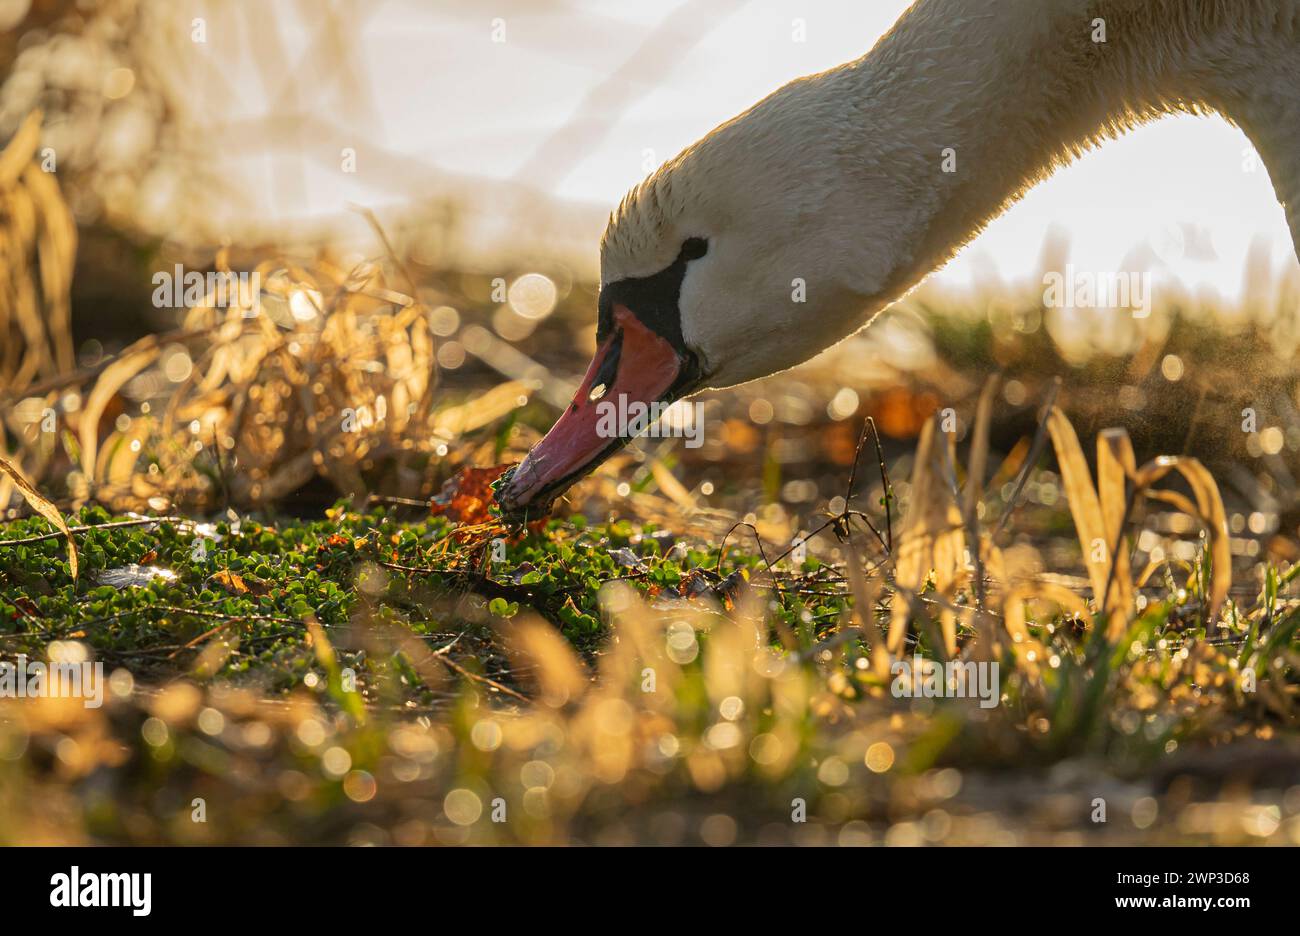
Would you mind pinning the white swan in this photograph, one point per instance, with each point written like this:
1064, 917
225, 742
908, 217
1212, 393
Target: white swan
837, 182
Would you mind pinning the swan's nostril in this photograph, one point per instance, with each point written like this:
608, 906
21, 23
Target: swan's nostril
597, 392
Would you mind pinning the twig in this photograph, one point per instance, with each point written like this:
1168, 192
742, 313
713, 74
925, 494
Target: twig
397, 501
388, 248
221, 472
441, 654
199, 639
1035, 451
722, 552
853, 480
884, 480
1129, 503
142, 521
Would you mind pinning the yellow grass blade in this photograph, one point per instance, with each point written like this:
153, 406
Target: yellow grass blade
1116, 465
865, 591
18, 152
1085, 507
975, 469
484, 409
673, 489
979, 445
45, 509
110, 381
1013, 614
558, 673
932, 538
57, 249
1209, 510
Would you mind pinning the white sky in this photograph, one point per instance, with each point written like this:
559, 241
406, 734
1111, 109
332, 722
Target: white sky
442, 93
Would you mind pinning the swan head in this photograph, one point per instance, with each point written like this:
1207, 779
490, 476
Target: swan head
726, 265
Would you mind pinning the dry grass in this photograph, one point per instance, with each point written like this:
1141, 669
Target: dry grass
38, 241
324, 371
700, 718
692, 725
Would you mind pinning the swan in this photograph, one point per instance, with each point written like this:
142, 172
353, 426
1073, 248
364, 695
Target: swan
790, 226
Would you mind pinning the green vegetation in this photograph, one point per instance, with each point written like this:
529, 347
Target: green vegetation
155, 594
760, 698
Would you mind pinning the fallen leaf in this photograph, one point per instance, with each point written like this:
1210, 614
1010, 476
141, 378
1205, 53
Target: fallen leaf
239, 584
467, 496
230, 581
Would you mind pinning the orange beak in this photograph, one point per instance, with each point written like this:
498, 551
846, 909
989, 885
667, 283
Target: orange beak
633, 364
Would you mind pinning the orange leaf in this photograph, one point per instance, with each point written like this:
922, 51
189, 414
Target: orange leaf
467, 495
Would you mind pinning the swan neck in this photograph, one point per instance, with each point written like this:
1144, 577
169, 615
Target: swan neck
985, 98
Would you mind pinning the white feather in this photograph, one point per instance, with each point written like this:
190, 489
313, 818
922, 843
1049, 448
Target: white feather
836, 180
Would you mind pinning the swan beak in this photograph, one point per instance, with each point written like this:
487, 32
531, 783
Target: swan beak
633, 364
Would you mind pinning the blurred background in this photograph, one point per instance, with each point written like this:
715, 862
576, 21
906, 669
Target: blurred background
421, 189
436, 152
512, 131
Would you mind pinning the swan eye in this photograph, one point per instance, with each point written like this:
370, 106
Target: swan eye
693, 248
